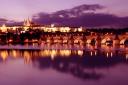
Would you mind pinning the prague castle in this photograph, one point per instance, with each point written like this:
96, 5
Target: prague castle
28, 24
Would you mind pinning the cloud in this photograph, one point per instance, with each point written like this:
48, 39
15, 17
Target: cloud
2, 20
12, 23
82, 16
9, 22
93, 7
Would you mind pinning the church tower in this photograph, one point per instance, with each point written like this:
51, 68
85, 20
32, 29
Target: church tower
27, 22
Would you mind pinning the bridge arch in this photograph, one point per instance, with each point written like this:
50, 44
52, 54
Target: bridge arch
91, 41
105, 40
124, 41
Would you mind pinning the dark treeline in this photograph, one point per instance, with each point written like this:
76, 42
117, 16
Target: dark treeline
109, 30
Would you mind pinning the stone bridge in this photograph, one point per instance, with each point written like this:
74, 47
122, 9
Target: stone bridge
107, 38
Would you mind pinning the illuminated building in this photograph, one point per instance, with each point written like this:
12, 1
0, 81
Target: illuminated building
3, 28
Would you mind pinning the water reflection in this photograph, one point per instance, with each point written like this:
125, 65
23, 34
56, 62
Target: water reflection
80, 63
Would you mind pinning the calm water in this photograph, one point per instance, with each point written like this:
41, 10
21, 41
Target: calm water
63, 65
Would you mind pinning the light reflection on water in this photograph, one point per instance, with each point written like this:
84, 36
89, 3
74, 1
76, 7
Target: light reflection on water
63, 64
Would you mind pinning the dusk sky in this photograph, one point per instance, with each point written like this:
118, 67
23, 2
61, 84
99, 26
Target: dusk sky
21, 9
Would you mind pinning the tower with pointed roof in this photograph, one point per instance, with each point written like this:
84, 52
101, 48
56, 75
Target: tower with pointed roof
27, 22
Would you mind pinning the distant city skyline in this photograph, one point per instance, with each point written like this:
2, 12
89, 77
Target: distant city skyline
20, 9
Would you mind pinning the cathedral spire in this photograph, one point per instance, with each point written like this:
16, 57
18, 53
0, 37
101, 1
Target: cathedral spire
27, 22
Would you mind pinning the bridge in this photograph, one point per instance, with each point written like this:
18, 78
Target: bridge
93, 38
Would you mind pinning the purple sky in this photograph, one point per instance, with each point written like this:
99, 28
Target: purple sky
20, 9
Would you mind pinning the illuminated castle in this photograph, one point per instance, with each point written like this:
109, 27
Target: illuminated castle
27, 23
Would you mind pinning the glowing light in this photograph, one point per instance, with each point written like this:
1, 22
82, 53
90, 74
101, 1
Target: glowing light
103, 41
45, 53
27, 56
80, 29
122, 41
126, 56
88, 41
76, 41
111, 54
65, 41
80, 52
108, 39
53, 54
91, 53
4, 55
26, 28
64, 29
107, 54
10, 40
34, 40
65, 52
14, 28
3, 28
52, 25
95, 53
14, 53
